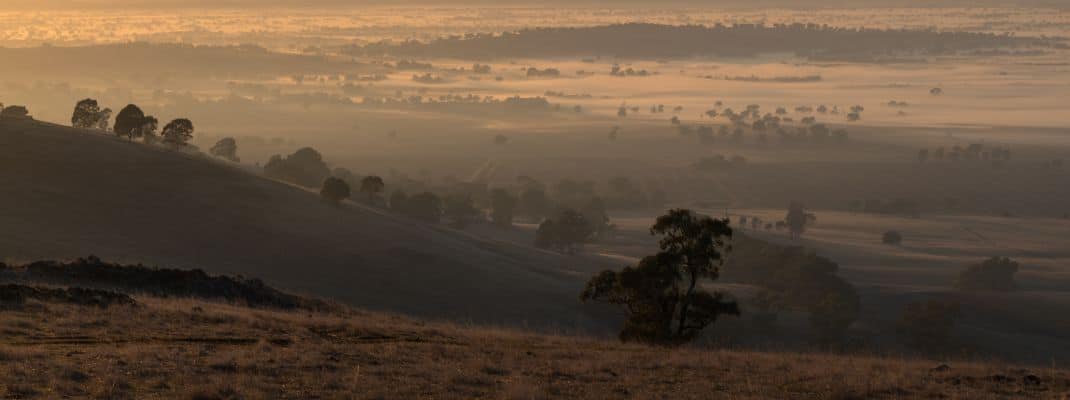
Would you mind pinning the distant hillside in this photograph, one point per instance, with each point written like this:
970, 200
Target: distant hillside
68, 4
640, 40
70, 193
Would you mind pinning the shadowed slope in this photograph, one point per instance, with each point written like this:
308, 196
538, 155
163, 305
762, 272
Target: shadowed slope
70, 193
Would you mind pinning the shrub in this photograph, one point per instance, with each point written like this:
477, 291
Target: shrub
993, 274
892, 238
927, 325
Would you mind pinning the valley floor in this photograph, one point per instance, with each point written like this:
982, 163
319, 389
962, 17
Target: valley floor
198, 350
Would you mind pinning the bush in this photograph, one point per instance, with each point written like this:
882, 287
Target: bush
892, 238
927, 325
993, 274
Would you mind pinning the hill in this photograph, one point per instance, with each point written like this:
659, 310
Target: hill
71, 193
53, 349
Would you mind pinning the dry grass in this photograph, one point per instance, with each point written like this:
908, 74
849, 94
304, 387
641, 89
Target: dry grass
196, 350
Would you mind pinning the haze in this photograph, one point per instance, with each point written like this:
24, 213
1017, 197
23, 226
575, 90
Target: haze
433, 199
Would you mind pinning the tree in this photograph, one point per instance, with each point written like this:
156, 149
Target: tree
104, 119
425, 206
335, 190
149, 124
660, 296
14, 112
398, 201
371, 185
86, 114
227, 148
129, 122
927, 325
503, 205
304, 167
459, 208
534, 203
796, 219
178, 132
892, 238
923, 155
564, 232
993, 274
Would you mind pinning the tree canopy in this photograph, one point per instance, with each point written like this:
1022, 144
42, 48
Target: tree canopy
660, 295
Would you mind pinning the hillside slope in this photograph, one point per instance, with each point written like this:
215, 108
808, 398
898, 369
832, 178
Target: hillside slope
54, 350
70, 193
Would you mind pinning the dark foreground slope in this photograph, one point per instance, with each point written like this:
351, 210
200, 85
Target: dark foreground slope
68, 193
190, 349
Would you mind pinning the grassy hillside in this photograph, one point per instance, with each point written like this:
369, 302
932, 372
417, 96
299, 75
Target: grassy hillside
53, 350
71, 193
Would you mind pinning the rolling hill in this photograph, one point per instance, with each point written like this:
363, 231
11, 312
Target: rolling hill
71, 193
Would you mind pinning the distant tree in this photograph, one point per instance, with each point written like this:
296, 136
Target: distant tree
796, 219
398, 201
104, 119
927, 325
149, 124
86, 114
226, 148
661, 295
459, 208
425, 206
335, 190
371, 185
503, 206
565, 232
892, 238
936, 91
178, 132
675, 120
534, 203
923, 155
304, 167
129, 121
501, 139
993, 274
594, 212
14, 112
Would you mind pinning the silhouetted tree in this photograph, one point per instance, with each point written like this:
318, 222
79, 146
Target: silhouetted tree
564, 232
503, 205
227, 148
304, 167
86, 114
14, 112
661, 295
398, 201
993, 274
104, 119
129, 122
534, 203
892, 238
796, 219
149, 124
425, 206
335, 190
459, 208
371, 185
178, 132
927, 325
